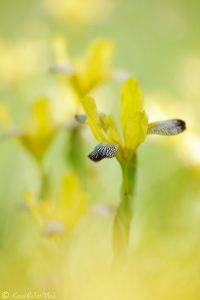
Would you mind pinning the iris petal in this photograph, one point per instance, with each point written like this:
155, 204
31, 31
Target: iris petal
168, 127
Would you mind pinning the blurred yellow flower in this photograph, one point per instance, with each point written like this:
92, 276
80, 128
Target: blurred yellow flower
58, 218
81, 12
20, 60
37, 133
90, 70
134, 123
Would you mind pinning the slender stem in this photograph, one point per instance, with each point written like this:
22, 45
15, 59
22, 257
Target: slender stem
74, 151
124, 214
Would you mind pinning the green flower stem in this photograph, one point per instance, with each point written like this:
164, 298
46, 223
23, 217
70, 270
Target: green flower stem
74, 151
124, 214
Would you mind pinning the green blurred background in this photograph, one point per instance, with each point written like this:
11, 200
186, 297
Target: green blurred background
157, 41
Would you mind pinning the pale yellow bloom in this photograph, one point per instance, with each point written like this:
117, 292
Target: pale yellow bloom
37, 133
85, 73
58, 217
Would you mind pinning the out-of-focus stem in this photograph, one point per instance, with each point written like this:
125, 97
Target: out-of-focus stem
74, 151
124, 214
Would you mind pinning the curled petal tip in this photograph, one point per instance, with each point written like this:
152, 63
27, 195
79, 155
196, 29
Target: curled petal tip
102, 151
182, 125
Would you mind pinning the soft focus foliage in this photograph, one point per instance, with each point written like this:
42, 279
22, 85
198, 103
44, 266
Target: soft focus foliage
37, 133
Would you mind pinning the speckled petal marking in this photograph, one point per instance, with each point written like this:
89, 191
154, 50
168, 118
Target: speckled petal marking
168, 127
102, 151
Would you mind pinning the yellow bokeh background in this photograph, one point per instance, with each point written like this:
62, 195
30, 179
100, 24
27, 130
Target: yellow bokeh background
158, 42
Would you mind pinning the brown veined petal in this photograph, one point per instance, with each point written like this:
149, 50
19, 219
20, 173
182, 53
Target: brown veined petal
102, 151
167, 127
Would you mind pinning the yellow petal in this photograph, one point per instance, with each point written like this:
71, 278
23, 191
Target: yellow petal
99, 60
111, 129
42, 115
40, 130
40, 209
97, 65
93, 118
133, 118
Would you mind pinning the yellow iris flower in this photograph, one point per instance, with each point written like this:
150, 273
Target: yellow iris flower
134, 124
58, 218
36, 134
123, 145
85, 73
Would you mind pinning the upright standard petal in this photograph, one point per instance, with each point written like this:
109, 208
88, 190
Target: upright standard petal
99, 62
134, 120
110, 129
93, 118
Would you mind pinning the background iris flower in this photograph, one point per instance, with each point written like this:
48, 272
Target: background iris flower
85, 73
58, 217
37, 133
